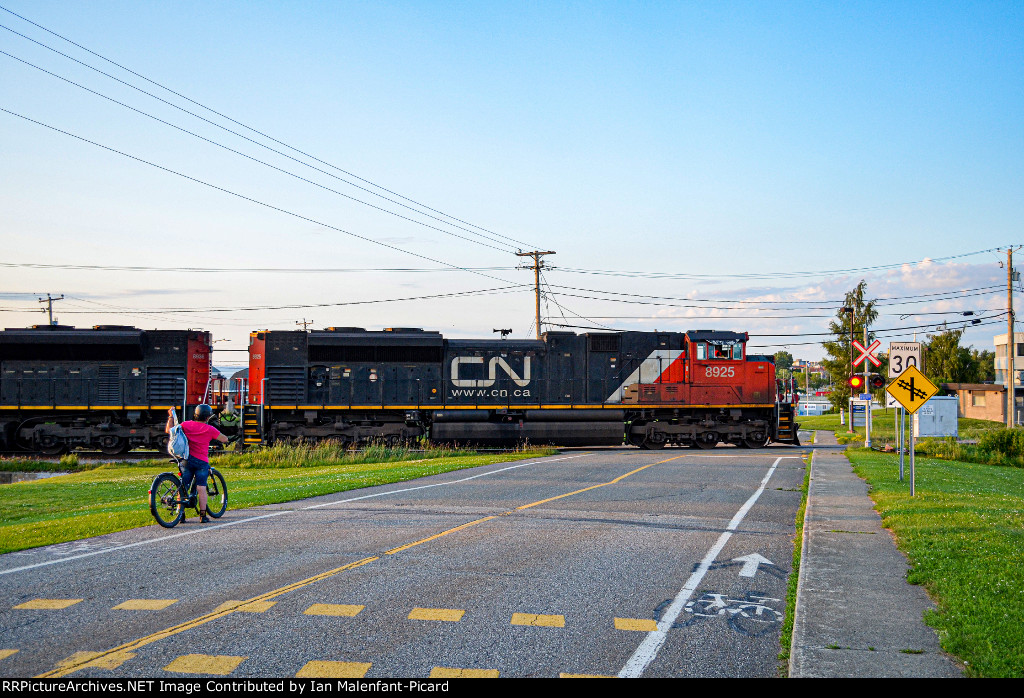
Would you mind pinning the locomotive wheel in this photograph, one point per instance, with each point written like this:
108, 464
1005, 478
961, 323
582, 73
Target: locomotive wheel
654, 441
58, 449
706, 439
751, 442
113, 445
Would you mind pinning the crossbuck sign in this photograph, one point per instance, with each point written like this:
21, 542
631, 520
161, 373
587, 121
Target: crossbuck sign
866, 353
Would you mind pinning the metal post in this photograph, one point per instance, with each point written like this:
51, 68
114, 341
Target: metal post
902, 438
913, 418
867, 424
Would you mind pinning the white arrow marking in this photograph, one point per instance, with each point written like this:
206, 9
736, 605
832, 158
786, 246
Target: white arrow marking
751, 563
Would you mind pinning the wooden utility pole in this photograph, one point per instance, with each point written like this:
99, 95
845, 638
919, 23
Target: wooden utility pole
49, 304
537, 264
1011, 346
304, 322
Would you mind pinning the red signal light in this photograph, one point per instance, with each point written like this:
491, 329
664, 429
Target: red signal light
855, 382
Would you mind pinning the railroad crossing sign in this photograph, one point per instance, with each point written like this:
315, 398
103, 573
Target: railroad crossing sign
866, 353
903, 355
911, 389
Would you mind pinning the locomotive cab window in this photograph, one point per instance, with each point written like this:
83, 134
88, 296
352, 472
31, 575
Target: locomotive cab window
724, 351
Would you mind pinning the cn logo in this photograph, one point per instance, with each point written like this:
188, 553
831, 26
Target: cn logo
492, 372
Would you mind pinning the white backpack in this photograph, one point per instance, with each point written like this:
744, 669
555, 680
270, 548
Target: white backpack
177, 443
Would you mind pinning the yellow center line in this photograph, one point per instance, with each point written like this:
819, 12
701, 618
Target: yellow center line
620, 478
225, 609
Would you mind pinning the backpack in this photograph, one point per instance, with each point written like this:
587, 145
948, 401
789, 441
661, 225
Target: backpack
177, 443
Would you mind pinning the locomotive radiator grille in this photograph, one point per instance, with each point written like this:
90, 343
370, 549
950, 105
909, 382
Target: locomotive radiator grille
165, 386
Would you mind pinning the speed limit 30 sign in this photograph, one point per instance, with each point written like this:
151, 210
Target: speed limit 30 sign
903, 355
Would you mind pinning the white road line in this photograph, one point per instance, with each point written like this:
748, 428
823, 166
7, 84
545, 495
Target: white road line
648, 649
208, 528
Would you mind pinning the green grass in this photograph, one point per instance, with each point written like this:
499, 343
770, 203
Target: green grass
786, 639
963, 533
883, 427
114, 497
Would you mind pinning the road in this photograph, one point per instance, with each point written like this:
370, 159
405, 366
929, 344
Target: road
556, 566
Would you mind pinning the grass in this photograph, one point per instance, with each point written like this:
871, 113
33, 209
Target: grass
786, 639
883, 427
114, 497
963, 533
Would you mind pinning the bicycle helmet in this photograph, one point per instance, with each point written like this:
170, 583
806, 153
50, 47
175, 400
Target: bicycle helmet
203, 413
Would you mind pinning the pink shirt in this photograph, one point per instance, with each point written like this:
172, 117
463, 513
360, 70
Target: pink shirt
199, 435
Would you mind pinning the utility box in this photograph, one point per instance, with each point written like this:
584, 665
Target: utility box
937, 417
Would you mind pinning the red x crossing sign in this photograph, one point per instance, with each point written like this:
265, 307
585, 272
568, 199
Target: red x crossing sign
866, 353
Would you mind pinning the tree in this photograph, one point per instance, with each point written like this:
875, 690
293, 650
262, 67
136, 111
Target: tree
948, 362
838, 362
783, 360
986, 361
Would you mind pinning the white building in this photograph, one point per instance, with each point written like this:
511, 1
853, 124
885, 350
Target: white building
1002, 364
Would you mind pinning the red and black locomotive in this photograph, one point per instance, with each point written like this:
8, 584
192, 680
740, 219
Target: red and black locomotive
650, 389
110, 387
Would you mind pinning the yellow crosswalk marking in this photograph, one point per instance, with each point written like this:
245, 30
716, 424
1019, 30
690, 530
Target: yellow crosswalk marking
333, 670
450, 614
251, 607
642, 624
47, 604
441, 672
538, 620
216, 664
333, 609
144, 604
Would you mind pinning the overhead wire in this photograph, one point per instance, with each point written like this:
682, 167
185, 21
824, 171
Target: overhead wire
508, 247
490, 234
251, 199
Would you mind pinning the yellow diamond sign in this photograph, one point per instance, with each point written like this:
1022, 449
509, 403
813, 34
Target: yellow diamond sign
911, 389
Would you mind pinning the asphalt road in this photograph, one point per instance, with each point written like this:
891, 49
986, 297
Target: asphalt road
558, 566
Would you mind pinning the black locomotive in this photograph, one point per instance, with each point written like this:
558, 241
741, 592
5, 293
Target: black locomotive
105, 388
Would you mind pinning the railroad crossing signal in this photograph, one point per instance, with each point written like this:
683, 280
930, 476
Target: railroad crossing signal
866, 353
911, 389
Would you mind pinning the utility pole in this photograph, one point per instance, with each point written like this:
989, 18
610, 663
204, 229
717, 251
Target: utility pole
537, 264
849, 311
49, 304
304, 322
1011, 346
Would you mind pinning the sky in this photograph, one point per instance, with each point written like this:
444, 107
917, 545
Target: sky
234, 166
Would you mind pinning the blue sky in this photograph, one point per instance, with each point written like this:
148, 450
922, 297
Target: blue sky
719, 139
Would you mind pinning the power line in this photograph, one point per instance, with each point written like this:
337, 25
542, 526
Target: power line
246, 270
508, 246
250, 199
249, 128
296, 306
766, 275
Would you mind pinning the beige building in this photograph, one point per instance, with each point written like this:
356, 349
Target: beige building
980, 400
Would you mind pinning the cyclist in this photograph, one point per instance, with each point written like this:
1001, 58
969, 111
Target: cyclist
199, 434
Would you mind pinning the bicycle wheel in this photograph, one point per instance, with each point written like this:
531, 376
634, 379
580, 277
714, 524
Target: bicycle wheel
163, 500
216, 494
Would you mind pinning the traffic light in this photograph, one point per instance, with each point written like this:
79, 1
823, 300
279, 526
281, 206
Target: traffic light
876, 381
856, 382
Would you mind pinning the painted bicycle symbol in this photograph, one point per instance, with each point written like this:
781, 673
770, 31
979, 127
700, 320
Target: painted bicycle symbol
750, 615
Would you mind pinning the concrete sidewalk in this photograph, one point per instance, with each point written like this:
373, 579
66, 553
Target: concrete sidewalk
856, 615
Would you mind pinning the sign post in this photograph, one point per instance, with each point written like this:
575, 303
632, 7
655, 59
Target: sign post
911, 389
866, 353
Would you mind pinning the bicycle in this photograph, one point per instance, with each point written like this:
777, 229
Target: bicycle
167, 501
